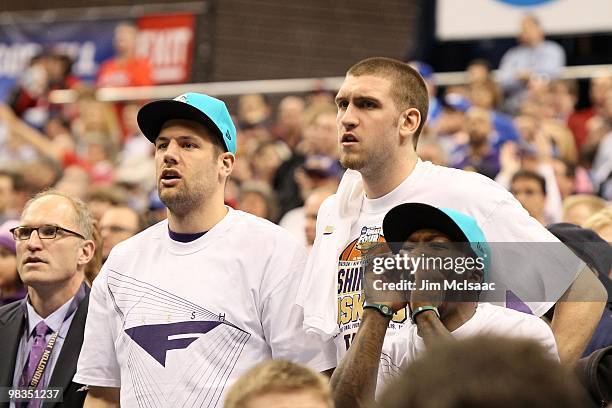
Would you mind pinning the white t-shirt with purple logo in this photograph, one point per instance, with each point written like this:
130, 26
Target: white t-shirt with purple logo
175, 324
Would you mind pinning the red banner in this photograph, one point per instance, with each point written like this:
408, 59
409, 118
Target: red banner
167, 42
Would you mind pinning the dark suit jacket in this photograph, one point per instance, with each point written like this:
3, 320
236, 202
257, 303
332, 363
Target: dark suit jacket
12, 321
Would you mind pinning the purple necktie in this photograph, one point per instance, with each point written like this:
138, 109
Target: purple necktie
38, 347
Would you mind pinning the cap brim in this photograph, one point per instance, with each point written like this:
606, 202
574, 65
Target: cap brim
153, 115
405, 219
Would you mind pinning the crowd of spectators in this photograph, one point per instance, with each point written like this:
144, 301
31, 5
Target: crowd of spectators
520, 128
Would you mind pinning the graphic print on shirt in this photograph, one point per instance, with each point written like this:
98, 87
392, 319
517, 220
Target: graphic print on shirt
350, 296
179, 353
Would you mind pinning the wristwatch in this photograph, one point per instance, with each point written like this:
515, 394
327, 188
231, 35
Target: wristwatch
384, 309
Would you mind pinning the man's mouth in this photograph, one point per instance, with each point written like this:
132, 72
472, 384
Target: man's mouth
169, 177
348, 139
33, 260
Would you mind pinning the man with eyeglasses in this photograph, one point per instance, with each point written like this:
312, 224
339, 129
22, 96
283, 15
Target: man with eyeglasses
118, 224
42, 334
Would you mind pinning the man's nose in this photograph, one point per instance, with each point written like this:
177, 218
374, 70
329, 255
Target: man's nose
34, 241
348, 118
171, 153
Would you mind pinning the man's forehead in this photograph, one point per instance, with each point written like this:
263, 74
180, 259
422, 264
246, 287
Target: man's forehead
364, 84
51, 209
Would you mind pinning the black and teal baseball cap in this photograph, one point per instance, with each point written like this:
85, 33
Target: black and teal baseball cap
204, 109
405, 219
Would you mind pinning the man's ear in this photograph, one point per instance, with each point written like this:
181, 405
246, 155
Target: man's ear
409, 122
86, 252
226, 164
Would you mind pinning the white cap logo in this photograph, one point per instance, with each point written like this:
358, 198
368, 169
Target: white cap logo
181, 98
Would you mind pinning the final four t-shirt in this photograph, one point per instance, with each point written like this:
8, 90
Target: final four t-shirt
174, 324
543, 276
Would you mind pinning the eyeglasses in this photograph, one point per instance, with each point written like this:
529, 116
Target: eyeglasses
44, 232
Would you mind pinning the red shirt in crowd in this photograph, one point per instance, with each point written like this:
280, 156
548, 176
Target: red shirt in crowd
116, 73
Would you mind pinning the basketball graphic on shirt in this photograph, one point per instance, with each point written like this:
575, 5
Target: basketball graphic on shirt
372, 242
350, 297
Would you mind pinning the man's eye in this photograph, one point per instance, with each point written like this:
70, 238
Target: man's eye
162, 146
368, 104
190, 145
342, 104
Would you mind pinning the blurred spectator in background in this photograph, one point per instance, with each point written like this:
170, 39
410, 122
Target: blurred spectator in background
486, 95
530, 189
450, 127
289, 124
11, 287
478, 154
320, 131
48, 71
599, 143
75, 182
279, 384
311, 209
534, 57
101, 198
435, 107
253, 111
565, 174
431, 150
599, 85
125, 68
578, 208
289, 129
479, 70
258, 198
318, 172
135, 145
265, 161
7, 195
119, 223
601, 223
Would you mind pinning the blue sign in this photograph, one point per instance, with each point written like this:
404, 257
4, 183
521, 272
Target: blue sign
88, 43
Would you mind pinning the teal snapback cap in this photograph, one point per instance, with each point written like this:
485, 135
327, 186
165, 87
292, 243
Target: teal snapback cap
403, 220
210, 112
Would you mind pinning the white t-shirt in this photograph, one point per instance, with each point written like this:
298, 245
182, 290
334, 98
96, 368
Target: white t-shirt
174, 324
406, 345
502, 220
295, 222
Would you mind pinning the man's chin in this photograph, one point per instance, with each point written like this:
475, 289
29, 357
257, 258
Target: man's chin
352, 162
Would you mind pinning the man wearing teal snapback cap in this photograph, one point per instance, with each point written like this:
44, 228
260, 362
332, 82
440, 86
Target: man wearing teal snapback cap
423, 231
182, 309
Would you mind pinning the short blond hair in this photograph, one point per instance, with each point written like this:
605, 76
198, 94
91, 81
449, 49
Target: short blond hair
408, 88
594, 203
599, 220
277, 376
